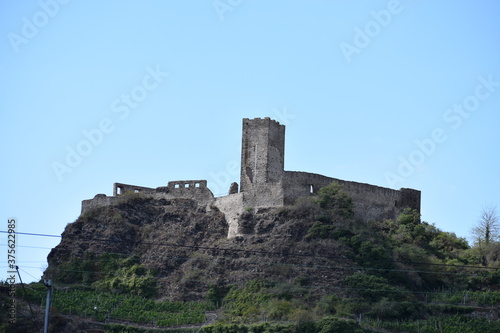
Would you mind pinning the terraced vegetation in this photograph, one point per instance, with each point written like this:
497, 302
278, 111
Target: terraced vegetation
107, 307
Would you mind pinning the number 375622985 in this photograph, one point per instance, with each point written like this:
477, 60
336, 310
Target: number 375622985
11, 243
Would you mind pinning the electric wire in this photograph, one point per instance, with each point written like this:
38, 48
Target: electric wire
255, 252
206, 281
62, 294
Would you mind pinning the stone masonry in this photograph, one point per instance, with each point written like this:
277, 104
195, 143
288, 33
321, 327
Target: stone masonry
265, 183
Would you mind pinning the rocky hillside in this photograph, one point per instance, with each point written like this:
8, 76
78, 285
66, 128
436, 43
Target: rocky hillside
185, 247
165, 262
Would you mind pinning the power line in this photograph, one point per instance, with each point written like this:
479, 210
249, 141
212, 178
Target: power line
270, 285
28, 273
30, 247
313, 266
31, 234
260, 252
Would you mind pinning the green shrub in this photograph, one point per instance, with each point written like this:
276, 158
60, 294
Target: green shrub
374, 288
216, 294
327, 305
278, 309
135, 280
333, 199
320, 230
332, 325
387, 310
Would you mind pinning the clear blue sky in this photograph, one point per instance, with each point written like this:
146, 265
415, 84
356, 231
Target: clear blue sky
391, 93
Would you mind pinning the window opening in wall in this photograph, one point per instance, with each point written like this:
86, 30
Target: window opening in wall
197, 185
118, 190
176, 186
136, 191
311, 188
186, 185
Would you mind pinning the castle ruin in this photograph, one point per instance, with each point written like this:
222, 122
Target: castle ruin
265, 183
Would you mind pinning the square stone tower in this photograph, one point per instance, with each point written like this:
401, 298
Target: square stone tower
262, 153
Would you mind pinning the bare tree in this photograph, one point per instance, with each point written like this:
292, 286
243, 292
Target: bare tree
487, 229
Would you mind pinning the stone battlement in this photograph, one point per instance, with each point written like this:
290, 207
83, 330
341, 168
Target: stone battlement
261, 119
187, 184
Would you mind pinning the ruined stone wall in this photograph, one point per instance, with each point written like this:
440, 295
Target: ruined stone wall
120, 188
409, 198
186, 189
180, 189
264, 195
187, 184
232, 207
100, 200
264, 183
370, 202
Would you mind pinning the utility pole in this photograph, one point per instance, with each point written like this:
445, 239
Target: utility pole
48, 284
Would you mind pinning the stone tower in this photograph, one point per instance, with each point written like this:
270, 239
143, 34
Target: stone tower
262, 153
